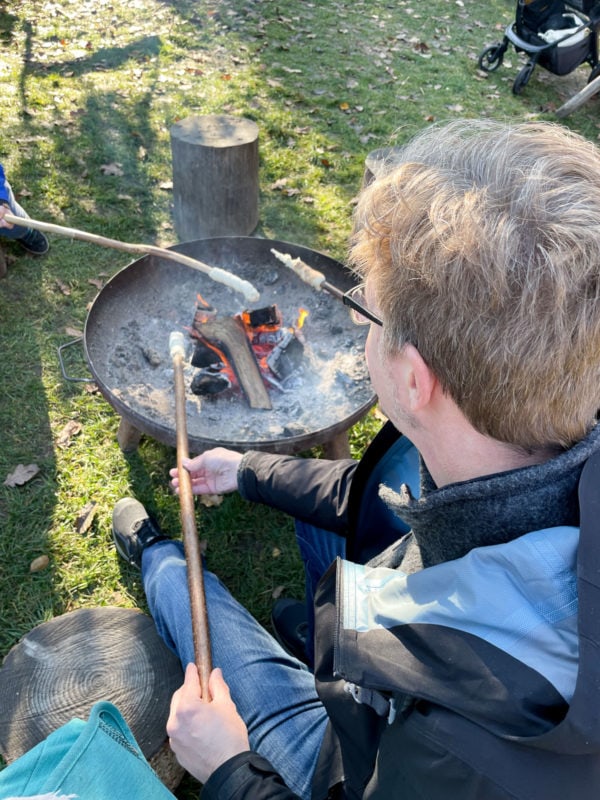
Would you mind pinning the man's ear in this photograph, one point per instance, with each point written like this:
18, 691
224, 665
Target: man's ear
419, 382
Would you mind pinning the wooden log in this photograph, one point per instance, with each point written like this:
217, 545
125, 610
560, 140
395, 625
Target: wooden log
215, 176
228, 334
62, 667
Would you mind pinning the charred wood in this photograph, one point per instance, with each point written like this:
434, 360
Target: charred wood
229, 336
286, 357
207, 383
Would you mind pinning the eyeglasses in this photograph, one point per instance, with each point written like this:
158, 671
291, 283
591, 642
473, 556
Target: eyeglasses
359, 313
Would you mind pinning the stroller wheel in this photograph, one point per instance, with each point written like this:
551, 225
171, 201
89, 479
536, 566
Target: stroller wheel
522, 78
492, 57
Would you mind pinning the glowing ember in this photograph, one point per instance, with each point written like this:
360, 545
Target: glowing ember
277, 350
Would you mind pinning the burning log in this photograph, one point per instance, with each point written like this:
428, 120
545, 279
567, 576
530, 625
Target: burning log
227, 334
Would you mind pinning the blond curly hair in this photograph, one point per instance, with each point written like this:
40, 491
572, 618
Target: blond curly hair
482, 246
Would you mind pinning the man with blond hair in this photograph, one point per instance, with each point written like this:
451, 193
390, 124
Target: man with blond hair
453, 574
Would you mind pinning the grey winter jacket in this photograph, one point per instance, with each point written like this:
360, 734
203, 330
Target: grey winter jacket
457, 649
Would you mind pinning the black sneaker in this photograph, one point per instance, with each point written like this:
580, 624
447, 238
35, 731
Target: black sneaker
133, 530
290, 625
34, 242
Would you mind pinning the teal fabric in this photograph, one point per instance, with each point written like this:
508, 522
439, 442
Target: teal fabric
96, 760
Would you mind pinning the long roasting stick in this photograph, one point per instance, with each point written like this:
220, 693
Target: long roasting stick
215, 273
308, 274
200, 630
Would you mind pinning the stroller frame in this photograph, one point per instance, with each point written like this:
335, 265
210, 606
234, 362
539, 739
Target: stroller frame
554, 56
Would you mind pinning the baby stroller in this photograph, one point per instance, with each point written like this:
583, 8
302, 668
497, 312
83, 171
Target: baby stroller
557, 35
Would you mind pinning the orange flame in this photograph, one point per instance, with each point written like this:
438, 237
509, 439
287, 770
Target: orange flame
302, 315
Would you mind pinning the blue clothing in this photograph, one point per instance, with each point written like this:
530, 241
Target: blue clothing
274, 693
4, 187
7, 196
448, 658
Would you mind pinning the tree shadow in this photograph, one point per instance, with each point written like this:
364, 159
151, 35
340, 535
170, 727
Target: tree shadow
104, 129
26, 512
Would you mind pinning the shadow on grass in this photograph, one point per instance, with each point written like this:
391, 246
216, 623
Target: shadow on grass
26, 598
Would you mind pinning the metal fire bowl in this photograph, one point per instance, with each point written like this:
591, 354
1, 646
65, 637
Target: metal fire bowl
126, 342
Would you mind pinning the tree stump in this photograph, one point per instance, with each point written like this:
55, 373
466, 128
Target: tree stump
215, 176
62, 667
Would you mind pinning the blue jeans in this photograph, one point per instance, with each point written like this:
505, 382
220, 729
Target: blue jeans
274, 692
318, 549
17, 231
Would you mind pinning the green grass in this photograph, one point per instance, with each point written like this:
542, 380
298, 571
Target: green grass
86, 84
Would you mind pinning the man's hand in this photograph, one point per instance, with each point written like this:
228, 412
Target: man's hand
4, 209
213, 472
205, 733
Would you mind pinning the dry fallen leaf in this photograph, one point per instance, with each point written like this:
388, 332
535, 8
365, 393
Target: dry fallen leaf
39, 563
86, 517
277, 592
64, 288
22, 474
71, 429
210, 500
97, 282
76, 332
111, 169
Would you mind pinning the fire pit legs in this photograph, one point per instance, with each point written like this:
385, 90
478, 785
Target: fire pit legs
128, 436
337, 447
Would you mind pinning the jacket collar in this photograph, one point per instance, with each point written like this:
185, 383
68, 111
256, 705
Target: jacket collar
447, 523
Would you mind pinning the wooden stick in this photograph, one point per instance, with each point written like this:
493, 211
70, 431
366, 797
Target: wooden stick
575, 102
308, 274
200, 630
215, 273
